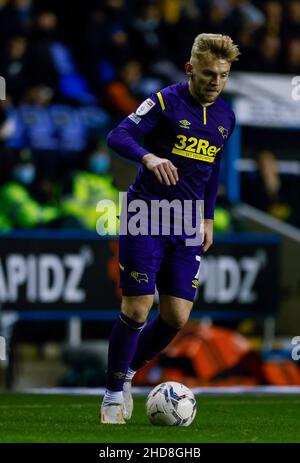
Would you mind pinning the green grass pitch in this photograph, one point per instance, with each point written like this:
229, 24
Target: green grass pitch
66, 418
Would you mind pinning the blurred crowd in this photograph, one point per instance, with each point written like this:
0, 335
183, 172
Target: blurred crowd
268, 190
72, 70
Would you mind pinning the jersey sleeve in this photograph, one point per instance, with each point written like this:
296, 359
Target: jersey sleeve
213, 183
124, 139
211, 191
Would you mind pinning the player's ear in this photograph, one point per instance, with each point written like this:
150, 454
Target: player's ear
188, 68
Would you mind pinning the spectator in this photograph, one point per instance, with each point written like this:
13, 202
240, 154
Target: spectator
292, 23
107, 40
244, 15
273, 11
14, 18
186, 16
13, 67
269, 191
42, 38
18, 197
268, 54
148, 35
292, 56
86, 187
39, 129
122, 95
214, 19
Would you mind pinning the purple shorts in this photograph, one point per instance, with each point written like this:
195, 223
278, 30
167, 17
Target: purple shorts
163, 261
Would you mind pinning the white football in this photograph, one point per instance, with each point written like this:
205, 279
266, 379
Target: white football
171, 404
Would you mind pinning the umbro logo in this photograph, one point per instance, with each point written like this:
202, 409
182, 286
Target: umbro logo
184, 124
119, 375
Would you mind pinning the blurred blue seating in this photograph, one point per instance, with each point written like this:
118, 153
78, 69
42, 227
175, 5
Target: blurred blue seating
40, 129
58, 127
75, 87
69, 128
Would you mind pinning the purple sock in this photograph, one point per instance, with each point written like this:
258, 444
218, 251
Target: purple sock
156, 335
122, 345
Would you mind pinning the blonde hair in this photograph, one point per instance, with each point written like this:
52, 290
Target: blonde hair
218, 45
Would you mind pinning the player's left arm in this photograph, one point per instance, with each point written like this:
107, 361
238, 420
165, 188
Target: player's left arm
209, 205
210, 198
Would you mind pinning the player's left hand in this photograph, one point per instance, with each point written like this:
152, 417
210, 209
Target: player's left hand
208, 234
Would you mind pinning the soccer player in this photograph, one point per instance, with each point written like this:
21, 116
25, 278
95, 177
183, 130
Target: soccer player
185, 128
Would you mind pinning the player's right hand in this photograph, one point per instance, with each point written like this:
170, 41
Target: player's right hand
163, 169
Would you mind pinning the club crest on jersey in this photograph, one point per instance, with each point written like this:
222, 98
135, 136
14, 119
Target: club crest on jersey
139, 277
185, 124
223, 131
145, 107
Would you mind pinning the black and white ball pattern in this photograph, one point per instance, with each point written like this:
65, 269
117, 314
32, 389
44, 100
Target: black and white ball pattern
171, 404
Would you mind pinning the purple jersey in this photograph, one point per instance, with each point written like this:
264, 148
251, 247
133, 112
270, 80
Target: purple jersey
176, 127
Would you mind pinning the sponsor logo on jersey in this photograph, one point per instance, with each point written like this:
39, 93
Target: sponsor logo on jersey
139, 277
145, 107
223, 131
184, 124
195, 148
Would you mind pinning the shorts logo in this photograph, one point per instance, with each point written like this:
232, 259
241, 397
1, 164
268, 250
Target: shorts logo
139, 277
185, 124
195, 283
223, 131
145, 107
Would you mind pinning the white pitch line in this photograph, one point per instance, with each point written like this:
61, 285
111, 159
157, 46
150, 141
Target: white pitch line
216, 402
234, 390
47, 406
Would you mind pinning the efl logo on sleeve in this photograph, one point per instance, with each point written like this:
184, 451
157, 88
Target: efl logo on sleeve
145, 107
2, 348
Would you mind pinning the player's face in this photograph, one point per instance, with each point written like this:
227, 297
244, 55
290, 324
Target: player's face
208, 77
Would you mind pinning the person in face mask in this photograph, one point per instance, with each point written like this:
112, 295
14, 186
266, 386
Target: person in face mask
24, 173
99, 163
20, 197
87, 187
24, 170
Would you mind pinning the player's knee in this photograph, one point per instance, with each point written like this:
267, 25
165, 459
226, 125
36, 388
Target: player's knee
137, 307
177, 320
175, 313
182, 321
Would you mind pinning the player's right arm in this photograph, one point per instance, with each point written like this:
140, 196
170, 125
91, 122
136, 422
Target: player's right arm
124, 140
